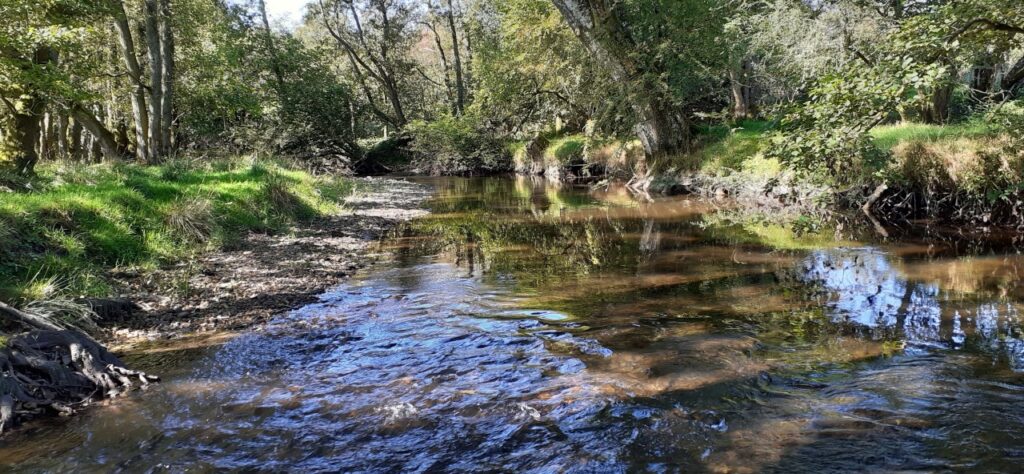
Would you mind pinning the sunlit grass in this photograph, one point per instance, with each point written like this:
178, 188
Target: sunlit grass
83, 220
886, 137
724, 148
565, 149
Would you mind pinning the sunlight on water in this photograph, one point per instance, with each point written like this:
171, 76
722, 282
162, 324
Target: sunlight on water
526, 327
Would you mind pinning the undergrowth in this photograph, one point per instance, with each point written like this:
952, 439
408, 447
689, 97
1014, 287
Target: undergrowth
63, 233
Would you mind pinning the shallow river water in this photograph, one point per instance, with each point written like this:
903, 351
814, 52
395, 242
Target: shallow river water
525, 327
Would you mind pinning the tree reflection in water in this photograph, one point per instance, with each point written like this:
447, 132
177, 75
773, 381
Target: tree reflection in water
865, 290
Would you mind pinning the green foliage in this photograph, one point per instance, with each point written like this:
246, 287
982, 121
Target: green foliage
531, 67
678, 45
456, 146
913, 67
238, 101
566, 149
87, 219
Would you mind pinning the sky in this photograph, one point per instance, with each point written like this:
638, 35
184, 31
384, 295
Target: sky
287, 11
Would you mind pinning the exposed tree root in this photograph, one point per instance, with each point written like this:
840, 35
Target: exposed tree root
52, 370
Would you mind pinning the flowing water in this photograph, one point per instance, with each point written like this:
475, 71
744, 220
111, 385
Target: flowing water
525, 327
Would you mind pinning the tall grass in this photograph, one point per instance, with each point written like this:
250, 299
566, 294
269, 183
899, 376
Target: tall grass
886, 137
80, 221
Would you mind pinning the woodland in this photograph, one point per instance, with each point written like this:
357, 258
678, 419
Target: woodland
137, 133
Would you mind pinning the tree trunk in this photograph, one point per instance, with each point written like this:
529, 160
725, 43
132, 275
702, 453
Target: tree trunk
449, 89
740, 91
75, 141
271, 48
140, 114
46, 137
602, 31
468, 36
27, 130
104, 139
365, 61
124, 142
28, 121
1013, 77
167, 52
460, 85
391, 90
61, 130
936, 110
156, 80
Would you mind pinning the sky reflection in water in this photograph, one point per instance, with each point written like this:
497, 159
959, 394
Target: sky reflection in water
530, 327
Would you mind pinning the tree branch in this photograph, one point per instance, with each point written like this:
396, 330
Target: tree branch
989, 24
10, 105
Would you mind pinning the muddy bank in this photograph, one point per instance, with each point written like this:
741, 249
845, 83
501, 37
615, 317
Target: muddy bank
866, 211
59, 370
265, 274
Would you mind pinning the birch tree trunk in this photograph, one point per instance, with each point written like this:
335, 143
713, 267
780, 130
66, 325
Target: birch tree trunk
460, 85
167, 52
156, 80
140, 114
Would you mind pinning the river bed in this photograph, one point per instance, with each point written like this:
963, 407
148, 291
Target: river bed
532, 327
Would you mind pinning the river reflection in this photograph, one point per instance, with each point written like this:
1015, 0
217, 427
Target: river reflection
537, 328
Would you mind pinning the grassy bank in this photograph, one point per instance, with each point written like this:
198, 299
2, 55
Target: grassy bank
726, 149
63, 232
964, 173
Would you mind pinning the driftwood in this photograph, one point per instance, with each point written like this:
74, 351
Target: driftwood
866, 208
55, 370
26, 319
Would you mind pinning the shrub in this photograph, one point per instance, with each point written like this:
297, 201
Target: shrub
457, 146
982, 168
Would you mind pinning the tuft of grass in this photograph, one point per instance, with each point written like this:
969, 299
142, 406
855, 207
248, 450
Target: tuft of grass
79, 221
175, 169
63, 312
977, 167
191, 218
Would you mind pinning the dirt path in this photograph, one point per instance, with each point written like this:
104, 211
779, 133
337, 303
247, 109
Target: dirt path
266, 274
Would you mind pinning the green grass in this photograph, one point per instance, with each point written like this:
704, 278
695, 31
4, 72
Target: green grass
724, 148
565, 149
886, 137
82, 221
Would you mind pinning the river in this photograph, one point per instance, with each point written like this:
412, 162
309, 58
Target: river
531, 327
